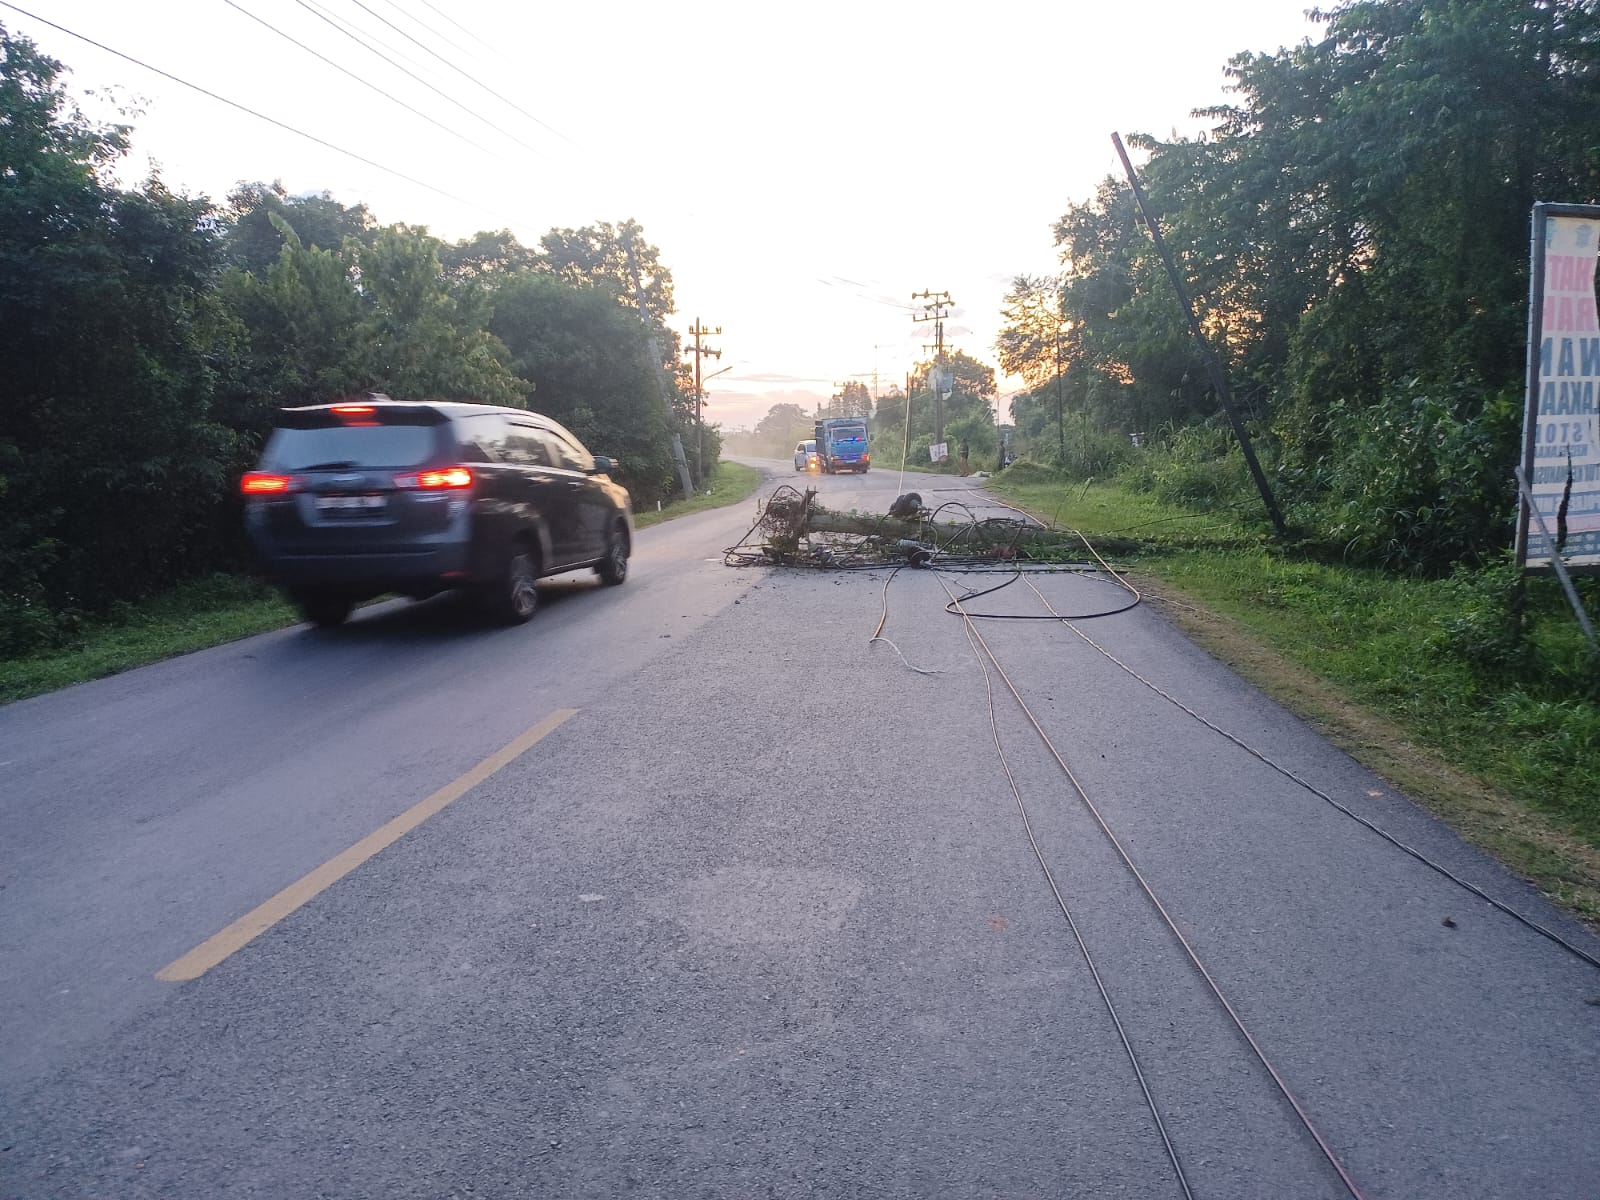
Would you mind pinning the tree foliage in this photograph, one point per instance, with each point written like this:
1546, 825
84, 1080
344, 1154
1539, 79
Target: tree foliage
784, 425
261, 218
967, 414
851, 400
106, 301
151, 337
1353, 228
607, 255
584, 356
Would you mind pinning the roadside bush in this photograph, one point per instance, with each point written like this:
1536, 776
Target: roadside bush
1485, 632
1196, 466
1026, 472
1422, 479
1088, 450
28, 624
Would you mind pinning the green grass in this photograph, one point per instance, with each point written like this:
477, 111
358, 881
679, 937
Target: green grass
731, 484
1418, 678
224, 608
192, 616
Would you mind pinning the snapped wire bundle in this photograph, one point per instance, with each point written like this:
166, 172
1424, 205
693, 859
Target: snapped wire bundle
792, 530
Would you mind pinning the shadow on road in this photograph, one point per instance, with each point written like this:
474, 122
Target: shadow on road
448, 615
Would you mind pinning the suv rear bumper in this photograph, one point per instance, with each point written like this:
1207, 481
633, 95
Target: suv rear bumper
418, 572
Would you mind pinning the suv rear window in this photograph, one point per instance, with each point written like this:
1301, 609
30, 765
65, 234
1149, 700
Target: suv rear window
344, 446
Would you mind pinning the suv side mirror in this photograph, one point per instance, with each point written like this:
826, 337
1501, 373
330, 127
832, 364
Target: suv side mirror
604, 465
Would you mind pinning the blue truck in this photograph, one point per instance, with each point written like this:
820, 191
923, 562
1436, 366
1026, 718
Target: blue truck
842, 444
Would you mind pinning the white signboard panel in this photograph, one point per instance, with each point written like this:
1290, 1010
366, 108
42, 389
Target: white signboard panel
1561, 440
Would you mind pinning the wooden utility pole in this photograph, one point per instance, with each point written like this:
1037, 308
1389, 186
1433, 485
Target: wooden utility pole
699, 331
934, 311
1219, 381
1061, 417
905, 445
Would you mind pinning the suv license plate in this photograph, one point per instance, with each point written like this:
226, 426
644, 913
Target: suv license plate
360, 504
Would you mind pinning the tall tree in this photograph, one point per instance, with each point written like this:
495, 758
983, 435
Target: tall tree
599, 254
428, 337
1353, 228
783, 425
1029, 344
110, 464
584, 355
298, 334
257, 215
851, 400
486, 254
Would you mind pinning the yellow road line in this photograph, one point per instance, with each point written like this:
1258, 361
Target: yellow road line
263, 917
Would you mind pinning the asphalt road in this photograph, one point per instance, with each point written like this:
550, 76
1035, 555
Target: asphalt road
746, 906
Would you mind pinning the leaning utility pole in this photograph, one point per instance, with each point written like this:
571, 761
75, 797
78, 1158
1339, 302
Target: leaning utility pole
699, 331
1061, 412
661, 373
1213, 367
934, 311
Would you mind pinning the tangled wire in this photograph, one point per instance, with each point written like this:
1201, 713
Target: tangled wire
793, 530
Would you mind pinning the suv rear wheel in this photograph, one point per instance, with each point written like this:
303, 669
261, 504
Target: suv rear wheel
325, 610
514, 598
613, 568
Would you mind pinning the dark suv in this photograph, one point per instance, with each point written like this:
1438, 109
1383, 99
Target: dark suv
353, 500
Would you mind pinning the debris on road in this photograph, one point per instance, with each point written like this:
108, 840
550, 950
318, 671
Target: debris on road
794, 530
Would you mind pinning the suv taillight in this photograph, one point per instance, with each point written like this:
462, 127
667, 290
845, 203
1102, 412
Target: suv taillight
260, 483
442, 477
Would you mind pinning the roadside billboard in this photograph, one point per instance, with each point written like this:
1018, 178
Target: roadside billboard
1560, 435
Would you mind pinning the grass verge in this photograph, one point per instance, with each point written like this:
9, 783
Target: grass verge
223, 608
192, 616
732, 483
1398, 672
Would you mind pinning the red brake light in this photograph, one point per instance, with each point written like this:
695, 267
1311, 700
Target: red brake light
259, 483
443, 477
354, 410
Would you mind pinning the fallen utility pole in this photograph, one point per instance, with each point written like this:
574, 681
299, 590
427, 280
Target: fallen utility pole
964, 534
1213, 367
790, 518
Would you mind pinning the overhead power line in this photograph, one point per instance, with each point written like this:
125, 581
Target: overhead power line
316, 10
459, 25
310, 137
362, 37
357, 77
860, 295
464, 74
431, 30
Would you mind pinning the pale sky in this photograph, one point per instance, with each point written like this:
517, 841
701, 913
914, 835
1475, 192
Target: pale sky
803, 169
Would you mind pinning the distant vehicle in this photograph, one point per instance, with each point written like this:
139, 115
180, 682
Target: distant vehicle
805, 457
350, 501
842, 444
